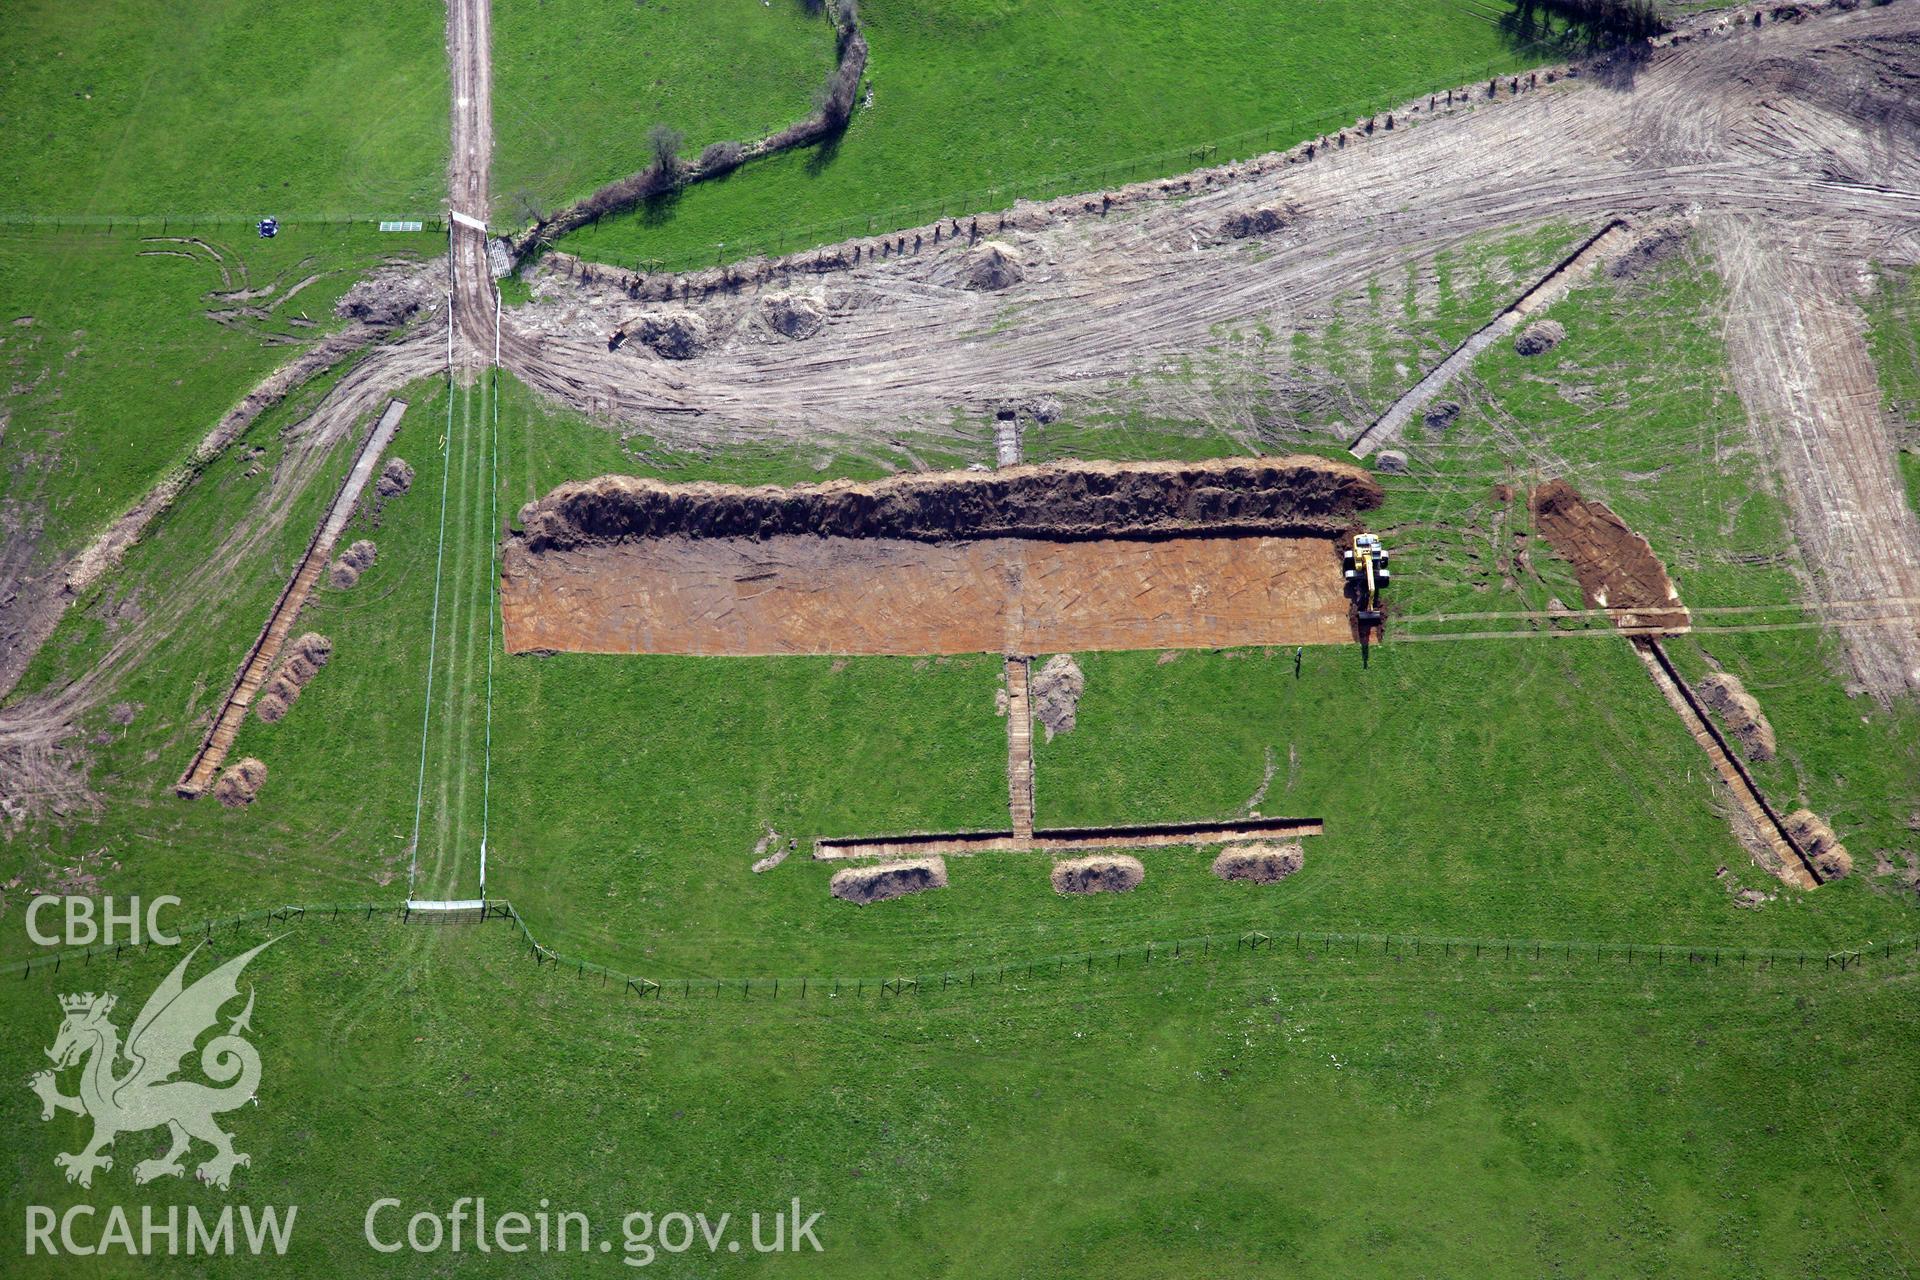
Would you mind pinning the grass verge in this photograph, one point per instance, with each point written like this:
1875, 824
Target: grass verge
222, 109
1125, 1122
116, 368
973, 105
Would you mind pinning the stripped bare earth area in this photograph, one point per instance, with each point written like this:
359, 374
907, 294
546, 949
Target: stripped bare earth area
253, 672
1794, 145
1020, 561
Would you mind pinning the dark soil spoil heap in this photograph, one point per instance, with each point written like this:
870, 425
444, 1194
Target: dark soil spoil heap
1740, 712
1441, 416
1264, 220
1539, 338
240, 784
353, 562
388, 297
885, 880
672, 335
1259, 863
793, 315
1616, 568
395, 478
1102, 873
1295, 495
304, 659
1818, 841
994, 266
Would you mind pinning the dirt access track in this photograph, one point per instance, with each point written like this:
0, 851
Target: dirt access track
1026, 560
1794, 146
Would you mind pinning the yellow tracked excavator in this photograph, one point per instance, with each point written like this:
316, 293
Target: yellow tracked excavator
1364, 565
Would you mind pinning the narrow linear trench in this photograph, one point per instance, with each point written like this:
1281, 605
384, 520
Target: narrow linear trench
1020, 746
1549, 289
1795, 867
1155, 835
260, 658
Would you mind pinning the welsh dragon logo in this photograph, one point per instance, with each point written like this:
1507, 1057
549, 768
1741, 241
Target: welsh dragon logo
145, 1094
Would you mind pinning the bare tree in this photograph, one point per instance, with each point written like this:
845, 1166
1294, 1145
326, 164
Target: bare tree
665, 140
719, 157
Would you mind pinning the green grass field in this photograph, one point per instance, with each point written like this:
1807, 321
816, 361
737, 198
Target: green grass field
1300, 1110
577, 85
1530, 786
222, 109
129, 120
975, 104
116, 371
1281, 1114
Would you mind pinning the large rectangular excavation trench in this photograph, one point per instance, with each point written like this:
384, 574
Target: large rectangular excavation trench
1026, 560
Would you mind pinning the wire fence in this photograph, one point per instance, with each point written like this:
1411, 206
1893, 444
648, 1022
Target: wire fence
108, 223
775, 242
997, 197
1253, 943
1086, 962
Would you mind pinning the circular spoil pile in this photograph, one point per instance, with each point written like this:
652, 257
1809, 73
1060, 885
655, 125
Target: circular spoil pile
395, 478
672, 335
1056, 693
1441, 416
388, 297
884, 880
304, 659
793, 315
240, 784
1811, 832
352, 563
1258, 863
1277, 495
1264, 220
993, 266
1101, 873
1539, 338
1740, 712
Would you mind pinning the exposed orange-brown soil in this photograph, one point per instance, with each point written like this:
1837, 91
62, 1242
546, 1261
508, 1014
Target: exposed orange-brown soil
1617, 570
799, 594
1027, 560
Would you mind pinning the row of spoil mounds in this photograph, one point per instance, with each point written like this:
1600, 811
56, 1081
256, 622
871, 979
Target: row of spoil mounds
1619, 572
1296, 494
1740, 715
1070, 877
240, 783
